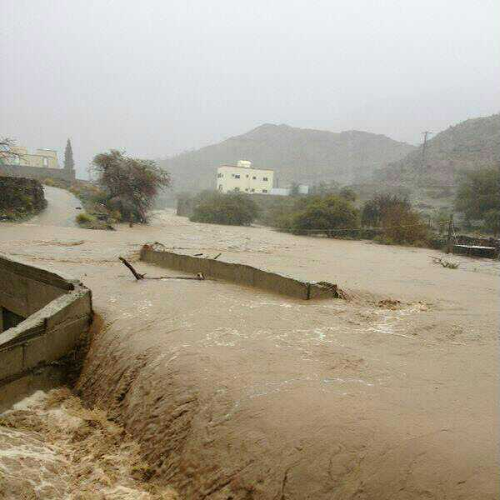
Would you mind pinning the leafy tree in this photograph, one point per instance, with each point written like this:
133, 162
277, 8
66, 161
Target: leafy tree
398, 222
234, 209
375, 209
322, 215
7, 155
479, 193
492, 222
442, 219
401, 225
69, 163
130, 184
348, 193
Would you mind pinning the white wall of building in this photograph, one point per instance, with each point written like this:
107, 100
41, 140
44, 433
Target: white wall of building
244, 179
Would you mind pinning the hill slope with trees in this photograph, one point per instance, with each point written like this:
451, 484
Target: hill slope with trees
296, 155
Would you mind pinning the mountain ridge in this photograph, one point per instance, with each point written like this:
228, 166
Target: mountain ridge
467, 145
295, 154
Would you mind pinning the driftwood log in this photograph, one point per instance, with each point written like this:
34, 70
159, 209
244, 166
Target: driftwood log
139, 276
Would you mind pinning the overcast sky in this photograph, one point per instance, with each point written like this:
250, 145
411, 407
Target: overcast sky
156, 77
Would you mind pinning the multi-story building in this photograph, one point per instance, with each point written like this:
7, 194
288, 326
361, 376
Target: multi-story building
44, 158
243, 178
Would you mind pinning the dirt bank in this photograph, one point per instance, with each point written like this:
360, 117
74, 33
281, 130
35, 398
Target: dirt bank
239, 394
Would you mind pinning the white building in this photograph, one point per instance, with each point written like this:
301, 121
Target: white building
245, 179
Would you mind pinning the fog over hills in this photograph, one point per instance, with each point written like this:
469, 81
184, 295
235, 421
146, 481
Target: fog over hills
471, 144
297, 155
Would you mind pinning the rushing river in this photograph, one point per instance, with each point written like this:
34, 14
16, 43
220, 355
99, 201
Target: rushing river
53, 448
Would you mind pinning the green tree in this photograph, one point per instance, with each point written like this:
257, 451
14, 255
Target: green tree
69, 163
7, 155
234, 209
375, 209
479, 193
492, 222
348, 193
130, 184
323, 215
401, 225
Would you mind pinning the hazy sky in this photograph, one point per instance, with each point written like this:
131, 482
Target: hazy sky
156, 77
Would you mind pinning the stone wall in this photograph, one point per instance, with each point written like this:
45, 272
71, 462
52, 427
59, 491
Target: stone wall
20, 196
53, 314
37, 172
241, 274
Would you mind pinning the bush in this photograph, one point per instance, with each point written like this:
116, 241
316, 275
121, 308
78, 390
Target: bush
479, 193
395, 220
348, 194
492, 222
84, 219
402, 226
229, 209
375, 209
322, 215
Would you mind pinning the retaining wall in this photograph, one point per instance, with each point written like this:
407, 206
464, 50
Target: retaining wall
241, 274
37, 172
55, 313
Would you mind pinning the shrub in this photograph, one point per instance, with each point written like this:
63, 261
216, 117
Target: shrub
230, 209
403, 226
492, 221
479, 193
84, 219
375, 209
322, 215
348, 193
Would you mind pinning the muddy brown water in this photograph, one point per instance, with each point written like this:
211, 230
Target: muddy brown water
233, 393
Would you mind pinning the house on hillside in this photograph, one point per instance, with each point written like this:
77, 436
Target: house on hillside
242, 177
17, 161
42, 158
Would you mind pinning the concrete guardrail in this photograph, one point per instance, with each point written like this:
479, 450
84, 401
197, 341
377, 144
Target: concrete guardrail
43, 316
241, 274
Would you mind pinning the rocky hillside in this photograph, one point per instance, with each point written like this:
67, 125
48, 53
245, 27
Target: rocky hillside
297, 155
471, 144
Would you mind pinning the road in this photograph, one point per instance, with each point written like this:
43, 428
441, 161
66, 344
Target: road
61, 209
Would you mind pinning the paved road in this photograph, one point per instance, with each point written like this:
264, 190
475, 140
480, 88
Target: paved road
61, 209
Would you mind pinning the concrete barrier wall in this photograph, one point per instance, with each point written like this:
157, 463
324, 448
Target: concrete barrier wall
241, 274
57, 312
39, 173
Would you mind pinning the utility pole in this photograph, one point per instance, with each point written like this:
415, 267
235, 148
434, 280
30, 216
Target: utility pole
424, 146
449, 245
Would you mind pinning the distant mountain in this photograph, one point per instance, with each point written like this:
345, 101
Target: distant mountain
296, 155
469, 145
